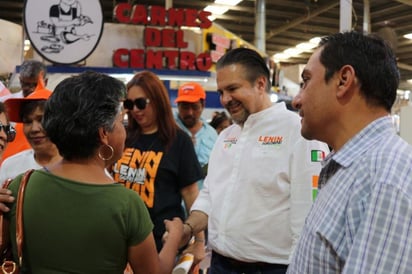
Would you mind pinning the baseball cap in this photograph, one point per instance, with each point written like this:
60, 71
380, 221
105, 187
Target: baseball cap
13, 105
190, 92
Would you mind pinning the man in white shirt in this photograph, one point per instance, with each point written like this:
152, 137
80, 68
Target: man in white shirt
260, 182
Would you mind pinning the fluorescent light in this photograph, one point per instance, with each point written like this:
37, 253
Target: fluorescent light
216, 9
409, 81
228, 2
293, 51
315, 40
306, 46
407, 94
126, 77
27, 45
281, 56
408, 36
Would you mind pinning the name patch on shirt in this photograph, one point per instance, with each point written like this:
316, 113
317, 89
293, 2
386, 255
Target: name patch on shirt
228, 142
270, 140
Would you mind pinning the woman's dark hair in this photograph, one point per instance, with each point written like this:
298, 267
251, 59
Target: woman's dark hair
159, 99
28, 107
252, 62
371, 58
218, 118
77, 108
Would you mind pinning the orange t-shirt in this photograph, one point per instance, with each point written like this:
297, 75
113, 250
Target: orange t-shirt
20, 143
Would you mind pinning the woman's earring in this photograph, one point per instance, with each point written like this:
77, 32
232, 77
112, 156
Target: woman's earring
106, 152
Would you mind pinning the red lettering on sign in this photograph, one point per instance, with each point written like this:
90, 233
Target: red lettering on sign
176, 17
152, 37
139, 15
121, 58
154, 59
137, 58
122, 12
159, 16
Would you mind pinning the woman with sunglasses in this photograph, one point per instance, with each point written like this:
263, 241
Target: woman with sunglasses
159, 162
7, 132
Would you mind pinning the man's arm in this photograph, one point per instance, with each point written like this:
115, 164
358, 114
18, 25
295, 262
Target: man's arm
304, 171
197, 246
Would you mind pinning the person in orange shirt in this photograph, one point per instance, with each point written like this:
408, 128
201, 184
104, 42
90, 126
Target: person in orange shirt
30, 70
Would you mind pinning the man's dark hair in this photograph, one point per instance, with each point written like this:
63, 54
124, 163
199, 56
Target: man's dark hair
372, 59
253, 63
32, 68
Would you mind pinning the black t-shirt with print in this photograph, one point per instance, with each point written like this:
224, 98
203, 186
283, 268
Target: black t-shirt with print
158, 176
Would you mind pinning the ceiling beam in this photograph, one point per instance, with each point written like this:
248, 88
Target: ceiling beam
406, 2
404, 66
302, 19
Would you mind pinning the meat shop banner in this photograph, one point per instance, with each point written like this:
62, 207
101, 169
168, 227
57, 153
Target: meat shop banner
63, 31
164, 42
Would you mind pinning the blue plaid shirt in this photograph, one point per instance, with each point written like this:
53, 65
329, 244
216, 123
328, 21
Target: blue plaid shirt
361, 221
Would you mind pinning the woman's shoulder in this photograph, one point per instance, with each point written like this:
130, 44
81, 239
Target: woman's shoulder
182, 136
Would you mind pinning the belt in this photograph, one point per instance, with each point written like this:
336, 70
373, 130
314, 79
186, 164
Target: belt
248, 265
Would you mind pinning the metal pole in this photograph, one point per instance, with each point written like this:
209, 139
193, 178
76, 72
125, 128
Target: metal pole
260, 32
345, 22
366, 16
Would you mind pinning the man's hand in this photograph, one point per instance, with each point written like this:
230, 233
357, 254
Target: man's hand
5, 197
197, 248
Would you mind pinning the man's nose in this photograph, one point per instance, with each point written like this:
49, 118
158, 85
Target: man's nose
296, 103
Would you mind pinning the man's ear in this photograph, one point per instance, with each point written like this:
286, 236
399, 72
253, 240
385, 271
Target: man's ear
346, 78
261, 83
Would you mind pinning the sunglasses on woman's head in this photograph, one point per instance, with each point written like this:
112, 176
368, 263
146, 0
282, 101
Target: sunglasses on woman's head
140, 103
10, 132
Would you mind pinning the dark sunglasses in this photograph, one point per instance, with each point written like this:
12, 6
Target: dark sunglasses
10, 132
140, 103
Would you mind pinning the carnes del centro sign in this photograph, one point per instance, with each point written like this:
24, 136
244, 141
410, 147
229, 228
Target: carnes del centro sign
164, 41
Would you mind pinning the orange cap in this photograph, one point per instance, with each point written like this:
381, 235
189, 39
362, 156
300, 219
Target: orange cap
190, 92
13, 105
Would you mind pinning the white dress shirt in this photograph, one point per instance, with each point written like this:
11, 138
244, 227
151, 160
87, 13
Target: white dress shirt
259, 187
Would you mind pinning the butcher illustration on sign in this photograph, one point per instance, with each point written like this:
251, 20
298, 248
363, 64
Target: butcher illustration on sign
65, 20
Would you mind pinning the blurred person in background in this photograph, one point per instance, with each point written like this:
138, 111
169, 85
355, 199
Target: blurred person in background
32, 73
191, 101
3, 90
159, 161
7, 131
92, 224
29, 111
220, 121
